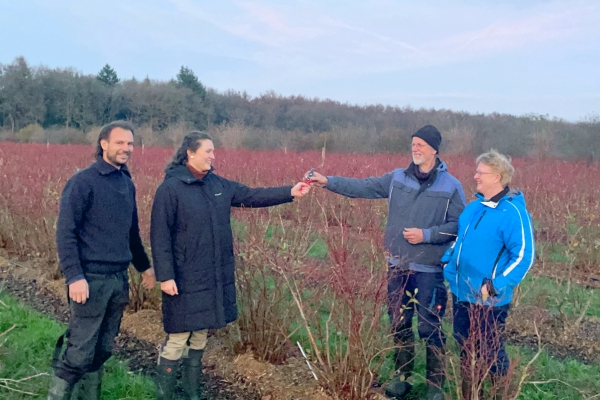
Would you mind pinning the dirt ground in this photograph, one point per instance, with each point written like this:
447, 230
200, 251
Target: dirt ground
241, 376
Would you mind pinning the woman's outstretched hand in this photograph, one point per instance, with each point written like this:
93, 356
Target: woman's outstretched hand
301, 189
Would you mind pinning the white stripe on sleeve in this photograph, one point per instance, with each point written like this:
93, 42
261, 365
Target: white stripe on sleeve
522, 251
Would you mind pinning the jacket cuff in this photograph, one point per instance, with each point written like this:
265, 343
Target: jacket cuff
331, 183
500, 282
426, 235
142, 268
75, 279
72, 272
163, 276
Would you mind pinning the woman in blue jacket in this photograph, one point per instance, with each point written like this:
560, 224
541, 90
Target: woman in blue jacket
493, 252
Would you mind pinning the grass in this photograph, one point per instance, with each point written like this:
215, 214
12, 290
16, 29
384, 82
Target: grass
26, 351
552, 294
319, 248
562, 379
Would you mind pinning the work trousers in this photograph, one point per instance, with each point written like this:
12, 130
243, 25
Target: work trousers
423, 292
479, 332
93, 326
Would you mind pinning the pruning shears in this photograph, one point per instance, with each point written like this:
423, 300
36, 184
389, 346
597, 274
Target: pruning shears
308, 177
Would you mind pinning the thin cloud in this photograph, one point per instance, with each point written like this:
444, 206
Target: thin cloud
505, 35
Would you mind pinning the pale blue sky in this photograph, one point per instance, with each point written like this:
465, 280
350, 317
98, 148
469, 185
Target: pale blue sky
516, 57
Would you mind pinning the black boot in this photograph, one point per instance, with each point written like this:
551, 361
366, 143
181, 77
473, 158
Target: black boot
435, 373
88, 387
166, 378
192, 374
404, 359
59, 389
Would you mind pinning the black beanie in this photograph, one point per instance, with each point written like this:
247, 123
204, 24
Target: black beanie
430, 135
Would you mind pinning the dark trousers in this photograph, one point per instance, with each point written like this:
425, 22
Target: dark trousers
93, 326
479, 330
424, 292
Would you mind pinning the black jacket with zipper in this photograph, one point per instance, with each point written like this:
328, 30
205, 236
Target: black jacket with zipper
97, 229
192, 243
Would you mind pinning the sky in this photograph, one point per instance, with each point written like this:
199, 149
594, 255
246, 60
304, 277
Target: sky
520, 57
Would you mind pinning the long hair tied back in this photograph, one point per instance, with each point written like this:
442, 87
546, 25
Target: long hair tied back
192, 142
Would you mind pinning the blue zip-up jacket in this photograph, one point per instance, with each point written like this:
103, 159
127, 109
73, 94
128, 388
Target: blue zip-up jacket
433, 207
495, 241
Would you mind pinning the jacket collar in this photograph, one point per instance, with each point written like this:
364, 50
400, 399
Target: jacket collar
105, 168
495, 200
182, 173
439, 166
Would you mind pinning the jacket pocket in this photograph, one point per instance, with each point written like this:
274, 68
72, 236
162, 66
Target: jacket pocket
95, 305
401, 196
439, 202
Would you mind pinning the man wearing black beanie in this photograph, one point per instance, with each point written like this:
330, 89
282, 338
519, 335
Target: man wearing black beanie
424, 204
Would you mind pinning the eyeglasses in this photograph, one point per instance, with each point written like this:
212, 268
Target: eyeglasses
418, 146
477, 172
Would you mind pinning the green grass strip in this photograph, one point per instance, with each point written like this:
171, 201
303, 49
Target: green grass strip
26, 351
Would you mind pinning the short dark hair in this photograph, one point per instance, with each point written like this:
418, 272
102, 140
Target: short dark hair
107, 129
192, 142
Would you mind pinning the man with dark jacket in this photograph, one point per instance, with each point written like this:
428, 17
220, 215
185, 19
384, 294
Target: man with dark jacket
424, 204
97, 237
192, 249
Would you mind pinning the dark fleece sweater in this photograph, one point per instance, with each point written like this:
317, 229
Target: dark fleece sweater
97, 229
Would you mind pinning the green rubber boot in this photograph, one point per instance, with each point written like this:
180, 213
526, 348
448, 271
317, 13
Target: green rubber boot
88, 387
59, 389
192, 374
166, 378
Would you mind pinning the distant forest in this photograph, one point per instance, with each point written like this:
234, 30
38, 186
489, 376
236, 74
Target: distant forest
62, 105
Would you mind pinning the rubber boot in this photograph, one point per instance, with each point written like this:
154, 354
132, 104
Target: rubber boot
192, 374
59, 389
404, 359
88, 387
435, 373
166, 378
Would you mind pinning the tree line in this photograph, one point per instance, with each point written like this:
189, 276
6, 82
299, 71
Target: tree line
63, 105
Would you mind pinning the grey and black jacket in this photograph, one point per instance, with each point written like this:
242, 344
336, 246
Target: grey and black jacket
433, 207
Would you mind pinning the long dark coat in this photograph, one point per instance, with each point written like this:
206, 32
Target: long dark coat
192, 243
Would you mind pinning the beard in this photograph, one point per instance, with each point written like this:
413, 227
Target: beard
112, 157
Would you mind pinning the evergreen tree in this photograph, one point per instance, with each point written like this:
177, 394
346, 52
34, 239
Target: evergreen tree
187, 79
108, 76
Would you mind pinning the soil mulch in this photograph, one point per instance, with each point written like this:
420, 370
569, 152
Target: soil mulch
563, 338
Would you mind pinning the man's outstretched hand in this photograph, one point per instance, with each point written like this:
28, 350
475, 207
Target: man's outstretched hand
301, 189
318, 180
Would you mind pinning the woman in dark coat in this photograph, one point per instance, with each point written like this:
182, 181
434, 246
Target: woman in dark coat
192, 250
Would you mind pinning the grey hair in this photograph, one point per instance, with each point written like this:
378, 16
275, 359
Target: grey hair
500, 164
